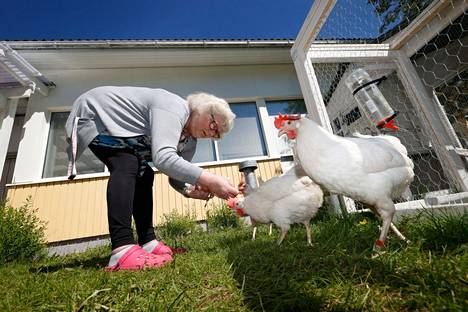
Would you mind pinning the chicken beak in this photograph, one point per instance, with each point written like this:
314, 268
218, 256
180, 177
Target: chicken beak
231, 203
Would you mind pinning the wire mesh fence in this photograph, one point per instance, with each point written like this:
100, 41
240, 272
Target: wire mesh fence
441, 65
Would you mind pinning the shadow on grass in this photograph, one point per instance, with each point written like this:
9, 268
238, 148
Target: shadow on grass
337, 272
84, 261
298, 277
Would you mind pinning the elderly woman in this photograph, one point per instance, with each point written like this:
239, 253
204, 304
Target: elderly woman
125, 127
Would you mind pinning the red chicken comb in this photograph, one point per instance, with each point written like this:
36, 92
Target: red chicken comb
279, 121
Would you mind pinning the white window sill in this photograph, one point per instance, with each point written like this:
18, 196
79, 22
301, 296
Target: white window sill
106, 174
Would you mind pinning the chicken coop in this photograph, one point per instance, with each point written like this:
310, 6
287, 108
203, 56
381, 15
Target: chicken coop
416, 55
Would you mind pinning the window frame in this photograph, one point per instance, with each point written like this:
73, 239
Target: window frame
62, 109
268, 134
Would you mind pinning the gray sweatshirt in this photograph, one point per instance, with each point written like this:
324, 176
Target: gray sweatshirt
132, 111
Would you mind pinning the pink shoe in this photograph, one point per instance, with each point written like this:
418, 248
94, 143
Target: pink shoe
163, 249
136, 258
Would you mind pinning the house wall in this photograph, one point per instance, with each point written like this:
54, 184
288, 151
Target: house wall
77, 209
235, 83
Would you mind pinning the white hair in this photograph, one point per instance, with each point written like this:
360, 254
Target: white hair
205, 103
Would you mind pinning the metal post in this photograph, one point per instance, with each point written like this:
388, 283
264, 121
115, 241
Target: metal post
248, 167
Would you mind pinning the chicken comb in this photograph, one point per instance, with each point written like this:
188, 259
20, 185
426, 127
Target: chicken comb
282, 118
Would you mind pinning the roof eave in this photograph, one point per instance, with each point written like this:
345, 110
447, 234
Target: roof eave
139, 44
22, 72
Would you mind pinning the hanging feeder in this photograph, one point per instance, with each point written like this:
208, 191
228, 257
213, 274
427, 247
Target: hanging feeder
366, 92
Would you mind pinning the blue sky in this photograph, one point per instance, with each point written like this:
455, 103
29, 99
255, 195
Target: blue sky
152, 19
168, 19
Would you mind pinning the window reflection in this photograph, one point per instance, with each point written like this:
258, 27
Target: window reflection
246, 138
283, 145
205, 151
56, 160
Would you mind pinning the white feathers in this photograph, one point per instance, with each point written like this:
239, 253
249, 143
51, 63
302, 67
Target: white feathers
284, 200
366, 168
372, 169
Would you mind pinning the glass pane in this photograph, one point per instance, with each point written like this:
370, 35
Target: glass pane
283, 145
205, 151
56, 160
246, 138
286, 107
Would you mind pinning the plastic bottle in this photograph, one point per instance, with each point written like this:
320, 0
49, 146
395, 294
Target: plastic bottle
370, 99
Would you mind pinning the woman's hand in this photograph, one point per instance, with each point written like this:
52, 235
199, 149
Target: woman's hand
217, 185
198, 192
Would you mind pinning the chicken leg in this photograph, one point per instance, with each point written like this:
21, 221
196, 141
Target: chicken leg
254, 232
309, 232
385, 210
284, 231
398, 233
255, 227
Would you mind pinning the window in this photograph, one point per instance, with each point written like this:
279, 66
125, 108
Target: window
246, 138
283, 145
205, 151
56, 160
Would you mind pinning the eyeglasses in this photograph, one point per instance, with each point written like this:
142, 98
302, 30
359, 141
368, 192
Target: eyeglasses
214, 127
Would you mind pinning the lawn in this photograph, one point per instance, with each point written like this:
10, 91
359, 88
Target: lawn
224, 270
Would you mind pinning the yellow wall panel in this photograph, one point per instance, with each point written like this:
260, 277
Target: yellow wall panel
77, 209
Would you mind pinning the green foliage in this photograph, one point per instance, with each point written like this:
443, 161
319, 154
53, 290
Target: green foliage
438, 231
397, 10
295, 107
177, 225
21, 234
223, 217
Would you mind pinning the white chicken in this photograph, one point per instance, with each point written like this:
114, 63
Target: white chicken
283, 200
242, 185
372, 169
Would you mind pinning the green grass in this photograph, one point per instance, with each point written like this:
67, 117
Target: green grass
225, 271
